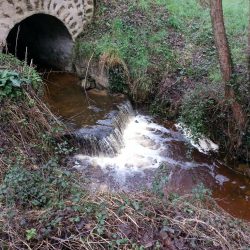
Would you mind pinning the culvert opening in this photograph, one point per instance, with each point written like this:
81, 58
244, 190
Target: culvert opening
43, 39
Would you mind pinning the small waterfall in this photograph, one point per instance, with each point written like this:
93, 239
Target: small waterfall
105, 138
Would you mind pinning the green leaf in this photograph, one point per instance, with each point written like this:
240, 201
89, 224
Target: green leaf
2, 83
16, 83
136, 205
31, 234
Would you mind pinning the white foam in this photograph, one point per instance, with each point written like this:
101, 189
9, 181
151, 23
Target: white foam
203, 144
221, 179
143, 148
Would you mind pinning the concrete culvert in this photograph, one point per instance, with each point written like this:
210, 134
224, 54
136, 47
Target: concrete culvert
43, 38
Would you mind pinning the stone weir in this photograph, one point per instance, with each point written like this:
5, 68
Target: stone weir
105, 137
95, 118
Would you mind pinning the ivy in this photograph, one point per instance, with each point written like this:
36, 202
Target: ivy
11, 84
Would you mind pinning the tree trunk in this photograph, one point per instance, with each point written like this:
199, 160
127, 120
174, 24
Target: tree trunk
226, 67
248, 51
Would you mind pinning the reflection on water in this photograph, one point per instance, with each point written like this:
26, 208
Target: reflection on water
145, 145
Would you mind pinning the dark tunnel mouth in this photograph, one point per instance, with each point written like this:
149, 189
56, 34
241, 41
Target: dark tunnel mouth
43, 39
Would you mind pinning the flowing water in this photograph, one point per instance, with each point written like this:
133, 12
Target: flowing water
122, 149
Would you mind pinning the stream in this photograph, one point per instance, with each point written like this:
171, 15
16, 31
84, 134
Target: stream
124, 149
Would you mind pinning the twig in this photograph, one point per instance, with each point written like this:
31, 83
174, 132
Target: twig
85, 80
17, 35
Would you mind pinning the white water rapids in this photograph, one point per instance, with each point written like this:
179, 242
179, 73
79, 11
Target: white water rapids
145, 146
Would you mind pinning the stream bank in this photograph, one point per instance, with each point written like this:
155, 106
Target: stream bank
159, 50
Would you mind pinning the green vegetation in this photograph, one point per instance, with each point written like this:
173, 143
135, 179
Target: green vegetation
196, 107
27, 129
65, 215
10, 84
195, 23
43, 187
160, 180
137, 37
27, 74
162, 53
202, 105
142, 39
45, 205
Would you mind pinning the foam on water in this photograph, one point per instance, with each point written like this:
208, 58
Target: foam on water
144, 148
203, 144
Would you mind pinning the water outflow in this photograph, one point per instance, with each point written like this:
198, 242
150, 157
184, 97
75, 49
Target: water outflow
140, 145
106, 137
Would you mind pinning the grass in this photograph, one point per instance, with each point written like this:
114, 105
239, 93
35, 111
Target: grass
43, 204
137, 40
167, 55
164, 53
202, 59
195, 21
236, 19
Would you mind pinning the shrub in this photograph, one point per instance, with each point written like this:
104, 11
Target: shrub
36, 188
199, 107
10, 62
161, 179
10, 84
200, 192
135, 49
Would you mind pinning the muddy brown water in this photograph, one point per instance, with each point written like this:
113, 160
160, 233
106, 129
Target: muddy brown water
188, 166
76, 107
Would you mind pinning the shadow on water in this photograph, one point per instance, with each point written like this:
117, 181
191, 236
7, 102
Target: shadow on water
143, 145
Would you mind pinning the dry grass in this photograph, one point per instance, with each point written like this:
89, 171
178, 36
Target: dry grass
26, 127
129, 222
111, 59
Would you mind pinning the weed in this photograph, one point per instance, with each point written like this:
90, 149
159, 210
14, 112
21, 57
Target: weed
196, 107
10, 84
30, 75
46, 186
64, 148
195, 23
64, 215
118, 80
159, 107
28, 129
137, 44
20, 186
31, 234
200, 192
161, 179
